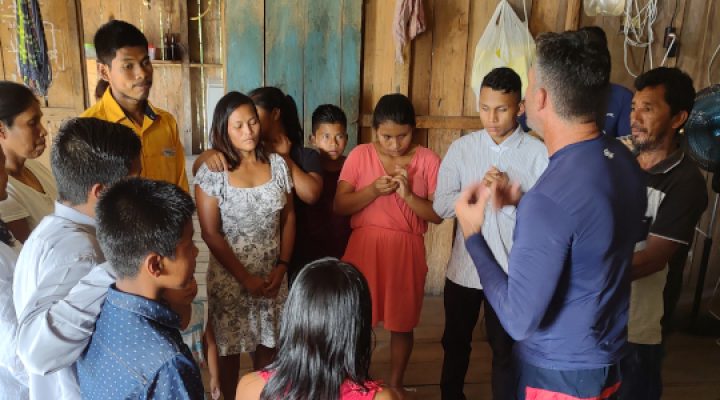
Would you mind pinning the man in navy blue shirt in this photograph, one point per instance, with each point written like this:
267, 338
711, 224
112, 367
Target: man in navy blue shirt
145, 231
565, 296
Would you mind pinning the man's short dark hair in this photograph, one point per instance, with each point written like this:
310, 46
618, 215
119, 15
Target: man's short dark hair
503, 80
116, 35
90, 151
574, 67
328, 114
138, 216
679, 90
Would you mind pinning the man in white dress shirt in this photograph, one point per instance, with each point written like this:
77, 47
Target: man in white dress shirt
501, 151
54, 316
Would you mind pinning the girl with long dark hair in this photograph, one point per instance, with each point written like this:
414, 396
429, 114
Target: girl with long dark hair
325, 340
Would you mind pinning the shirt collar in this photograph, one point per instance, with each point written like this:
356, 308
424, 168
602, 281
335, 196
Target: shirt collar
146, 308
668, 164
511, 142
116, 114
63, 211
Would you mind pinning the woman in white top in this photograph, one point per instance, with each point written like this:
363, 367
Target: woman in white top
31, 187
13, 379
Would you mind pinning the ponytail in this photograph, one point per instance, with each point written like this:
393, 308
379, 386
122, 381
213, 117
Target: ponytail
270, 98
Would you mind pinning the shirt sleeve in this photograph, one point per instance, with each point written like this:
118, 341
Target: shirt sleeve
309, 160
210, 182
449, 184
182, 180
432, 164
680, 211
538, 255
177, 379
350, 172
284, 176
8, 326
59, 320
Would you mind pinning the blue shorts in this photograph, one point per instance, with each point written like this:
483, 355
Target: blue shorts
535, 383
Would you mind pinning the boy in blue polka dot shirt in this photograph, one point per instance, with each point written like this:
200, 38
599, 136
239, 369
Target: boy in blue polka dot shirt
145, 231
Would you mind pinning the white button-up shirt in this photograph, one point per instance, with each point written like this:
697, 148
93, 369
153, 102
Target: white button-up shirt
13, 379
521, 156
58, 295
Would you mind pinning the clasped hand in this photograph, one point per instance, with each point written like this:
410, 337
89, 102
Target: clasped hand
472, 203
397, 183
268, 287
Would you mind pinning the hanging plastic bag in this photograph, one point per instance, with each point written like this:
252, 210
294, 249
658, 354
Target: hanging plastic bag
604, 7
506, 42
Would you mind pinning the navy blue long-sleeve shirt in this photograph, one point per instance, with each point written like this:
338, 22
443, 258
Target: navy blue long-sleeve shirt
565, 297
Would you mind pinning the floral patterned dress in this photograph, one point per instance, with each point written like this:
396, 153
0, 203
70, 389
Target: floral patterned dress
251, 224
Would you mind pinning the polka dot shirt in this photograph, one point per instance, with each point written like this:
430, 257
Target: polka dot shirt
137, 352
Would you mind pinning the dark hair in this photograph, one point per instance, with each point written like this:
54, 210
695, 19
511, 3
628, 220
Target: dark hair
503, 80
88, 151
14, 99
395, 108
595, 33
115, 35
325, 334
270, 98
574, 67
100, 88
679, 90
219, 128
138, 216
328, 114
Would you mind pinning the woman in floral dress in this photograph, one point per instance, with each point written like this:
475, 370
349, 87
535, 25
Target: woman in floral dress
248, 222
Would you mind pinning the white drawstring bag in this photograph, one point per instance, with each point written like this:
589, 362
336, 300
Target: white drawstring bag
506, 42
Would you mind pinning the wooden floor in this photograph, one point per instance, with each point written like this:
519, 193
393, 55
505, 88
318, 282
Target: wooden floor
691, 370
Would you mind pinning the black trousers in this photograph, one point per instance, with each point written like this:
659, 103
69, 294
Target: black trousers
462, 308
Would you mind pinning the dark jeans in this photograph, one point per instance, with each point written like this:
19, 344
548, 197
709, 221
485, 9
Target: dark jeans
549, 384
641, 371
462, 308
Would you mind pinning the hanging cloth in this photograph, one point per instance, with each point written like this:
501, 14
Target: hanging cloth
506, 42
33, 61
408, 22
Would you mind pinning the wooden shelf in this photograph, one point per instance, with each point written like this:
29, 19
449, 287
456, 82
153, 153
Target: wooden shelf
166, 63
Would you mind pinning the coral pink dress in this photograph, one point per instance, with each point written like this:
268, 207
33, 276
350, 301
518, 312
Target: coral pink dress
386, 243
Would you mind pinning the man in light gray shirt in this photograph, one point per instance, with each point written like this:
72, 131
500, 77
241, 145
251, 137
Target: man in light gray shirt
58, 286
500, 152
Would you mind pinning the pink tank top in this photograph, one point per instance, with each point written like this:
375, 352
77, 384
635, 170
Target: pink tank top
348, 390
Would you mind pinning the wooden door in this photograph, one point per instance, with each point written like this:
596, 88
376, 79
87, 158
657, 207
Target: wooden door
308, 48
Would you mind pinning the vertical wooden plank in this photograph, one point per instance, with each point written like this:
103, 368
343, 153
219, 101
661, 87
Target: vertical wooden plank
572, 15
244, 39
284, 44
378, 57
548, 16
480, 13
446, 98
322, 56
350, 70
421, 70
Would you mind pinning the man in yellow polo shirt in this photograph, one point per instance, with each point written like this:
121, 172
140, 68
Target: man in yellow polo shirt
124, 63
